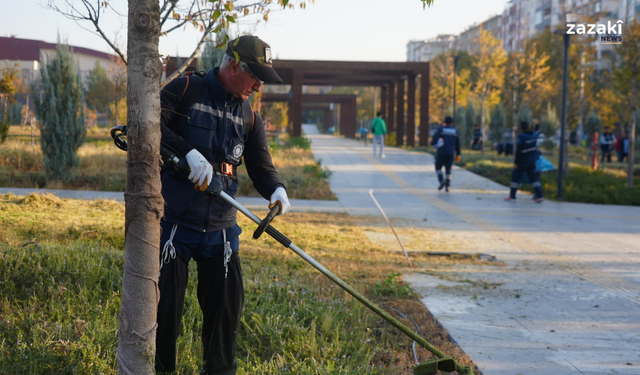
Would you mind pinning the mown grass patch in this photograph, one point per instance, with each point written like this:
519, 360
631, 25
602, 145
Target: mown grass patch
102, 166
60, 298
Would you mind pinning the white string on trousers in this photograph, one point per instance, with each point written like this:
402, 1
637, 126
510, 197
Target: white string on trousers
168, 251
227, 252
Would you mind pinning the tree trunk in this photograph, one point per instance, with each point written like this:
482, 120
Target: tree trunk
632, 146
143, 199
514, 129
482, 126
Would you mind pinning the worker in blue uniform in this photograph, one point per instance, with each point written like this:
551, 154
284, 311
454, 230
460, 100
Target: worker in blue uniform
525, 163
447, 142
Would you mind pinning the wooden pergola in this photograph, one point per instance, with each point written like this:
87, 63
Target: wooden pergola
347, 108
391, 77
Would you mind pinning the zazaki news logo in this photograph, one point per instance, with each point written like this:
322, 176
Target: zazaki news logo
611, 33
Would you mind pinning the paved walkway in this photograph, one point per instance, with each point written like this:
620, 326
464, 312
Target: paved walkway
562, 297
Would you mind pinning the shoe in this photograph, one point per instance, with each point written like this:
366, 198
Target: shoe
538, 200
441, 185
509, 199
446, 186
383, 156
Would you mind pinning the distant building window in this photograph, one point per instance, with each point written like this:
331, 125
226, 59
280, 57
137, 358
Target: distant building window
598, 7
538, 18
547, 11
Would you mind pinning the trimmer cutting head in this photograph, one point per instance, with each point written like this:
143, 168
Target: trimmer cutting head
433, 366
441, 364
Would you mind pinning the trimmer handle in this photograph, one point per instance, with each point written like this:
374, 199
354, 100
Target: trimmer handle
117, 132
168, 155
267, 220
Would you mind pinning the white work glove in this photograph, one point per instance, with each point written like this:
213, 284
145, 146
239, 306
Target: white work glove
279, 197
201, 171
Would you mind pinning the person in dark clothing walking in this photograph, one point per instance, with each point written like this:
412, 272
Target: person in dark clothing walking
476, 143
607, 141
213, 136
447, 142
525, 162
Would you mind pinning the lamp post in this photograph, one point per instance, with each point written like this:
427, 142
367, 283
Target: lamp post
564, 112
455, 68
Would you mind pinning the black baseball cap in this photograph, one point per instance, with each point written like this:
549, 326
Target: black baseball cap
448, 120
257, 55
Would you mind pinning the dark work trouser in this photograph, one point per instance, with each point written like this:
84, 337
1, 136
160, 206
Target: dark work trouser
221, 301
447, 162
606, 153
530, 170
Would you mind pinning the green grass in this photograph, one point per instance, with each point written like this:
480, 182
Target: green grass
59, 298
581, 184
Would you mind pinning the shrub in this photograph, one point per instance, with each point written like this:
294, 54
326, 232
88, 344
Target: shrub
390, 139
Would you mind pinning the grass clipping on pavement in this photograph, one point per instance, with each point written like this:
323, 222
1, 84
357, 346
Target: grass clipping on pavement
61, 295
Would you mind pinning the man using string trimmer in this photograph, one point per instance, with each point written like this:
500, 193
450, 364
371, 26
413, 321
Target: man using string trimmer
208, 121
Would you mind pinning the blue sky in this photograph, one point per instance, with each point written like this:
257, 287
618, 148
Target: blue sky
354, 30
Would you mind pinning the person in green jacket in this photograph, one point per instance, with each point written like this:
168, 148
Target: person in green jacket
379, 130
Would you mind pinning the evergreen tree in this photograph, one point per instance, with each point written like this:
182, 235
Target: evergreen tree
471, 119
8, 91
211, 56
99, 88
592, 125
498, 121
4, 120
59, 109
524, 114
549, 126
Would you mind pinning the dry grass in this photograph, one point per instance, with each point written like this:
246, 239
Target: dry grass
102, 167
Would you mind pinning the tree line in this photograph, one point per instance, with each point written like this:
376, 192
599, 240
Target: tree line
496, 90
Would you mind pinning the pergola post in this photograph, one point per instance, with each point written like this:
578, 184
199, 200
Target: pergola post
390, 108
383, 102
352, 117
400, 114
411, 111
295, 105
424, 108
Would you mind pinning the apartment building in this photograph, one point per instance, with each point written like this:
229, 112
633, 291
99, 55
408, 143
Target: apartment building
467, 41
425, 50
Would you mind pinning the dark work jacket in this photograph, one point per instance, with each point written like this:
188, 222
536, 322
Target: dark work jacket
527, 148
213, 126
449, 135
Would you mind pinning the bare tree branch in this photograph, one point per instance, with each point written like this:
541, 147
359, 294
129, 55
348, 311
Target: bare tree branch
92, 15
184, 66
199, 14
166, 15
